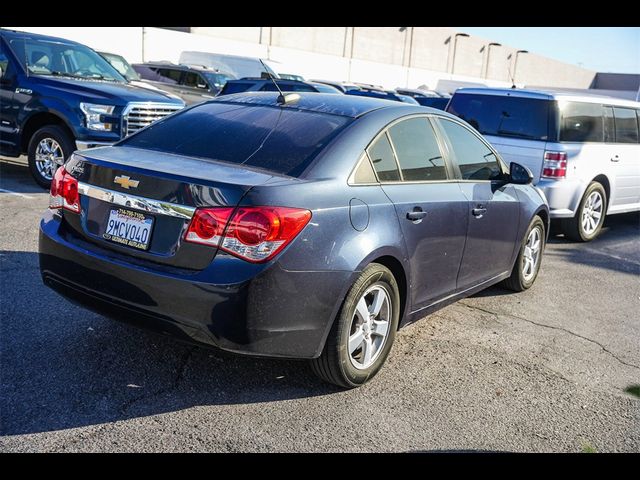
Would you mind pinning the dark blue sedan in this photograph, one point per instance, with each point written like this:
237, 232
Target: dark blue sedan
311, 228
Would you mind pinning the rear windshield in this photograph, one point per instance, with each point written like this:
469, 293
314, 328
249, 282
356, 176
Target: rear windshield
235, 87
503, 116
281, 140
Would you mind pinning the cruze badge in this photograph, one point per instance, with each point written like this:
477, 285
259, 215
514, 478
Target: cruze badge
126, 182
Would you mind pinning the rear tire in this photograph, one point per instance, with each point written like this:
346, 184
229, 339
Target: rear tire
525, 271
48, 149
357, 347
587, 223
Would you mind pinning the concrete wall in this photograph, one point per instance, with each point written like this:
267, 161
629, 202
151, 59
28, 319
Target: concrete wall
388, 56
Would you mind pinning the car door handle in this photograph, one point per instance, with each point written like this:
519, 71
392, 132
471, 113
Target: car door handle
615, 158
416, 214
479, 211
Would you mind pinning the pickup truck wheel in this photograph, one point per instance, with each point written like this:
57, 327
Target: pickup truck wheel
48, 149
362, 335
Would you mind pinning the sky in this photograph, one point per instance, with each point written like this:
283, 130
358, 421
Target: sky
603, 49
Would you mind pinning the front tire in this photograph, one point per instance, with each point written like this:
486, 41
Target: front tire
48, 149
587, 223
363, 333
525, 271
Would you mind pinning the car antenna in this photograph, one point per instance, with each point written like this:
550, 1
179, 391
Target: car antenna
282, 98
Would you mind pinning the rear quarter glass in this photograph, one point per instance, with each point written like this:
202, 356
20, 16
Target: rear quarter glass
280, 140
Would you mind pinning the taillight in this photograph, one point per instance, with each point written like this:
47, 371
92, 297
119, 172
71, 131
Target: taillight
255, 234
555, 165
64, 192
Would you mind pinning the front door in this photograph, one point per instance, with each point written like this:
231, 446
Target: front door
430, 206
493, 209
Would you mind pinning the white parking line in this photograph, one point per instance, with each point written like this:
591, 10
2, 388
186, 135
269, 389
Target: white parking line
10, 192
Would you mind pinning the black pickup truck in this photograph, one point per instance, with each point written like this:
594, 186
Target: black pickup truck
57, 96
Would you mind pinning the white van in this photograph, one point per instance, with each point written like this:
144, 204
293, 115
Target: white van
239, 66
583, 150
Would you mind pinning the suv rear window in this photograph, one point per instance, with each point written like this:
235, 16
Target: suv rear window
503, 116
280, 140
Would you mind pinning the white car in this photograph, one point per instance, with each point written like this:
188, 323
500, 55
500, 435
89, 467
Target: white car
583, 150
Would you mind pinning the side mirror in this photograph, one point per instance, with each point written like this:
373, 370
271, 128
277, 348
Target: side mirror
519, 174
202, 86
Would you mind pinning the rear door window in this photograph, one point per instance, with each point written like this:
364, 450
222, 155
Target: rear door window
417, 149
502, 115
475, 160
626, 125
383, 160
581, 122
169, 75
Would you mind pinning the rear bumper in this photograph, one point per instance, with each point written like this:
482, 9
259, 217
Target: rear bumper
563, 196
258, 310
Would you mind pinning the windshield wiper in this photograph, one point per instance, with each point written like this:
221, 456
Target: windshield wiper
56, 73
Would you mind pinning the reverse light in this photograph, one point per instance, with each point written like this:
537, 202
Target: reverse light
255, 234
64, 192
555, 165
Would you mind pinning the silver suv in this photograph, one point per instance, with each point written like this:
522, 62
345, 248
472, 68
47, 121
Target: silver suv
583, 150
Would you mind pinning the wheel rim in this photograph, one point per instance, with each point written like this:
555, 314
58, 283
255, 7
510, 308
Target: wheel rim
49, 156
369, 327
592, 213
531, 255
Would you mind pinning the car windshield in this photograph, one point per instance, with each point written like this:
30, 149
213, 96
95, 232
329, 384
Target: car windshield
49, 57
217, 79
121, 65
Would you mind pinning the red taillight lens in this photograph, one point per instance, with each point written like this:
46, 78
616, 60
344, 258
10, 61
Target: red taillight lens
64, 192
207, 225
555, 165
255, 234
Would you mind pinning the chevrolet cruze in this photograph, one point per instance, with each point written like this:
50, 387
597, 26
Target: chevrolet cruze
309, 226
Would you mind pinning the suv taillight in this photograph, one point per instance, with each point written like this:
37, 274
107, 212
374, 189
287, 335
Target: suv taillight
64, 192
555, 165
255, 234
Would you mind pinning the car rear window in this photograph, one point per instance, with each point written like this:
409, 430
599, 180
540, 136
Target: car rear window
280, 140
235, 87
503, 116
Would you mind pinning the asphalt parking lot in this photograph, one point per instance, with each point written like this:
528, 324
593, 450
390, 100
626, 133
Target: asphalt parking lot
542, 370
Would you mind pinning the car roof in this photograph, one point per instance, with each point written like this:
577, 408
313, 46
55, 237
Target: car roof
20, 34
343, 105
550, 94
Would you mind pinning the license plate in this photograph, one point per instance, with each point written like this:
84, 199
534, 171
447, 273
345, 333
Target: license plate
132, 229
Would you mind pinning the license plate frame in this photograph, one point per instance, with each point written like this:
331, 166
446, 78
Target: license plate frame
127, 228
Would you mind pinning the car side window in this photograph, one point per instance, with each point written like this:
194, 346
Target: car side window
193, 79
417, 149
382, 158
169, 75
475, 160
626, 125
4, 64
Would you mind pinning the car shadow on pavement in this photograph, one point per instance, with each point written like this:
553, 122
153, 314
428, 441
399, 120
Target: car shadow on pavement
615, 248
65, 367
18, 179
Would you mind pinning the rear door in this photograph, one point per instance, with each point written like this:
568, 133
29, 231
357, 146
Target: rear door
624, 158
493, 209
431, 209
9, 139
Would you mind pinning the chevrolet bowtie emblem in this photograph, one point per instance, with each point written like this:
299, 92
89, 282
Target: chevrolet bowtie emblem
126, 182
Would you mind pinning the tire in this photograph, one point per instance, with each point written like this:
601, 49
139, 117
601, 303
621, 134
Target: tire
521, 277
347, 369
61, 145
574, 229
